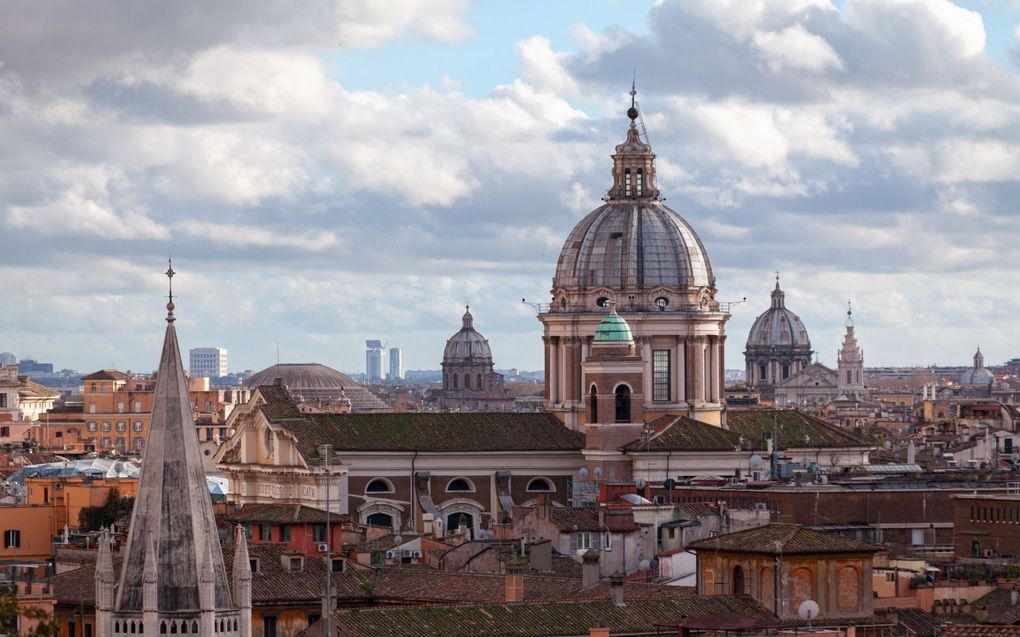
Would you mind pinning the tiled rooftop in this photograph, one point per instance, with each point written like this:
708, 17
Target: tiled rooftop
785, 539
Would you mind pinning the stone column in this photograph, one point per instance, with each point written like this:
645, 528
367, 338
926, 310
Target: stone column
646, 378
676, 376
714, 359
553, 380
699, 369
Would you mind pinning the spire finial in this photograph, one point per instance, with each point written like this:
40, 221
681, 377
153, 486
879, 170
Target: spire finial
777, 277
632, 112
849, 308
170, 282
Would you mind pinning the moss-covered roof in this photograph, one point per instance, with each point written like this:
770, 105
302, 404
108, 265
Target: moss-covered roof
783, 539
796, 430
686, 434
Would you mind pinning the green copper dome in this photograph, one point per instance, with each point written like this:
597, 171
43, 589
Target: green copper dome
613, 329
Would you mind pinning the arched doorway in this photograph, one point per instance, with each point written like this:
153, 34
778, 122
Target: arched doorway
623, 404
593, 415
454, 519
738, 580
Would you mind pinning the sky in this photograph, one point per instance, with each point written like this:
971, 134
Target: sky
328, 172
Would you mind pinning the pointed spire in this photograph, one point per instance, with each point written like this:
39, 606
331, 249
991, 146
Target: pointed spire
242, 563
778, 296
467, 320
849, 315
634, 162
104, 561
172, 502
170, 282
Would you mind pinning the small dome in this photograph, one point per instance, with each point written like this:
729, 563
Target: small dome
778, 326
467, 345
613, 328
977, 375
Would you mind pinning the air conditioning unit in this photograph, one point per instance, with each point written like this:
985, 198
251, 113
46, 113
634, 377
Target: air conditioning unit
416, 554
760, 506
391, 555
323, 547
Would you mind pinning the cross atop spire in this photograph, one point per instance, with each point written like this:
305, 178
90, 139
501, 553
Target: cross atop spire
849, 313
170, 282
632, 112
777, 278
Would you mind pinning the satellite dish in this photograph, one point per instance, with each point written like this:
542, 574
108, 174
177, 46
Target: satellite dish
644, 565
583, 473
887, 445
670, 484
641, 483
598, 472
808, 610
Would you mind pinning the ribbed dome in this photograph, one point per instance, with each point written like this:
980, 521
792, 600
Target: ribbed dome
977, 375
778, 326
629, 244
467, 345
312, 381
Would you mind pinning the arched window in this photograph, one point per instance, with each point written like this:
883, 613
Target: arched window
453, 520
379, 485
594, 405
380, 519
626, 182
540, 485
460, 484
623, 404
640, 181
446, 380
738, 580
455, 381
467, 381
479, 379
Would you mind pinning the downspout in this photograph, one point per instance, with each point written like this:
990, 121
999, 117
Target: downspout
414, 493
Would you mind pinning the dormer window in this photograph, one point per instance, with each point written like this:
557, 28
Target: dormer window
640, 181
626, 182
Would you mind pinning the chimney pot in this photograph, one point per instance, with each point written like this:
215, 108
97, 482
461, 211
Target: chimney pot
589, 569
616, 589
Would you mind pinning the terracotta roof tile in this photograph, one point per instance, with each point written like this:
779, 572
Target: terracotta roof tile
686, 434
284, 513
791, 538
980, 630
1000, 607
796, 430
533, 619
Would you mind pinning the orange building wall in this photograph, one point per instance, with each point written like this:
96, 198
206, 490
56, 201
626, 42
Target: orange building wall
74, 495
36, 526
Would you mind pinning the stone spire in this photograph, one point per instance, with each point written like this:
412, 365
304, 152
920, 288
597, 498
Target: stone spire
633, 162
150, 596
979, 359
778, 296
467, 321
242, 579
850, 361
105, 580
173, 531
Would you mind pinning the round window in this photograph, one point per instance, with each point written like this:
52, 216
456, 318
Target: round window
602, 301
661, 303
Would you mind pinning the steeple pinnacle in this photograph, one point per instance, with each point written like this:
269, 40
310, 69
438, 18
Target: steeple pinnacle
170, 282
633, 162
467, 321
849, 313
778, 296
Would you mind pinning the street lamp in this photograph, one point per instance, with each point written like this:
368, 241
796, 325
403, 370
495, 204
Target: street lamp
327, 606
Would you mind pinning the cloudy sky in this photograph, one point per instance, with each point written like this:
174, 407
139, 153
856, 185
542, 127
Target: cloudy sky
326, 172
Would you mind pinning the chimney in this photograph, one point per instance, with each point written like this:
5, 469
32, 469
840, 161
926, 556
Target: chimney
589, 568
981, 613
278, 381
599, 629
515, 581
616, 589
541, 556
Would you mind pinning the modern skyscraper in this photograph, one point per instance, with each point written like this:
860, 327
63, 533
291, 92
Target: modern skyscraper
207, 361
173, 579
396, 364
375, 360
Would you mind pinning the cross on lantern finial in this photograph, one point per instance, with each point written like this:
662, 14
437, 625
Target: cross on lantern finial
849, 308
170, 283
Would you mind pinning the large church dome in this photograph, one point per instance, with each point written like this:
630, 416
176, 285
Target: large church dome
467, 345
778, 326
633, 250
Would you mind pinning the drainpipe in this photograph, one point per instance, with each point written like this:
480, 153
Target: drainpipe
414, 493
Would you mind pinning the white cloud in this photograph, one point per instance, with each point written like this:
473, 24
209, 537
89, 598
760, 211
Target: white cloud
794, 48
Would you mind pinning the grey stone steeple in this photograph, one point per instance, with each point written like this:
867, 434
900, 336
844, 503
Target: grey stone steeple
173, 531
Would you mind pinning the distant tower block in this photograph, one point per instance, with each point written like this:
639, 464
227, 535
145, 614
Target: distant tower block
396, 364
375, 360
207, 361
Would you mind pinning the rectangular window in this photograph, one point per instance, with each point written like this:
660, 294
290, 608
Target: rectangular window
5, 431
295, 565
266, 532
121, 426
314, 617
269, 626
660, 374
92, 426
208, 433
319, 534
607, 541
786, 371
254, 564
761, 372
107, 443
3, 400
87, 630
72, 629
106, 426
138, 426
583, 541
138, 406
120, 408
12, 539
92, 408
285, 533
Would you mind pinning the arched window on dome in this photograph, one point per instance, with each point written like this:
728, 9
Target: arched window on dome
593, 415
623, 404
467, 381
626, 182
640, 184
455, 381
